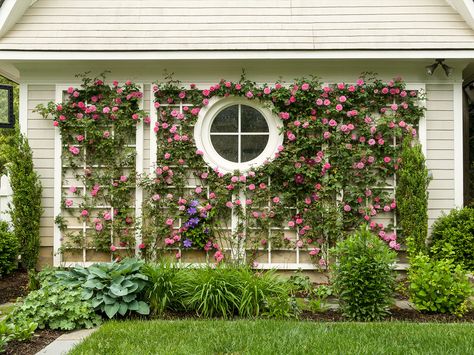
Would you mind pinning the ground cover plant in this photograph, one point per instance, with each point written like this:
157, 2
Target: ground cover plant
276, 337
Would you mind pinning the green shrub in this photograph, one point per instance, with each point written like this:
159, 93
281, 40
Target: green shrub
412, 196
438, 286
456, 229
163, 291
26, 207
363, 277
55, 306
8, 250
113, 288
300, 284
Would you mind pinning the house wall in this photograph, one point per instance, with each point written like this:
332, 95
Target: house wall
245, 24
39, 82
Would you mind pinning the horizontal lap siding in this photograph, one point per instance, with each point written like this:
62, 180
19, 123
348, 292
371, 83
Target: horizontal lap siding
41, 139
225, 25
440, 148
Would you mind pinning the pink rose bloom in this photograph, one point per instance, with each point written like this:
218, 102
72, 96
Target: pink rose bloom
199, 152
113, 248
314, 251
255, 214
371, 141
178, 255
242, 178
402, 124
386, 208
251, 187
249, 94
74, 150
332, 123
68, 203
167, 155
387, 159
123, 178
106, 134
326, 135
248, 202
72, 189
342, 98
305, 86
99, 227
299, 243
339, 107
84, 213
276, 199
212, 195
198, 190
267, 91
291, 224
234, 179
394, 107
347, 208
218, 256
107, 216
229, 204
169, 222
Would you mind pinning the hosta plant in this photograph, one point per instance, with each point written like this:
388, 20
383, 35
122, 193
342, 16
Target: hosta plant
112, 288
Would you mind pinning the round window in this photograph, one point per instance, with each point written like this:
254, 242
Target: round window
236, 134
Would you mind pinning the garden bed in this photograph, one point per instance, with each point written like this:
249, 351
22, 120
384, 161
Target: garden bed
13, 286
39, 341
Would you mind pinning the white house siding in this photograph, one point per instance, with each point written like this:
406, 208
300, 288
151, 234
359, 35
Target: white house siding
41, 139
245, 24
440, 148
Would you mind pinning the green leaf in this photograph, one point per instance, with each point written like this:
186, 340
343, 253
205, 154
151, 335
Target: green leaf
118, 290
143, 308
94, 284
111, 309
87, 294
123, 308
130, 297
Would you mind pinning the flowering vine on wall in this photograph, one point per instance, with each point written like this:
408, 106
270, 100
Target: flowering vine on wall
340, 149
98, 126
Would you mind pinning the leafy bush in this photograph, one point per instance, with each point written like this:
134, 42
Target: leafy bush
163, 290
456, 229
412, 196
20, 331
363, 277
26, 207
438, 285
318, 302
300, 283
111, 287
8, 250
55, 306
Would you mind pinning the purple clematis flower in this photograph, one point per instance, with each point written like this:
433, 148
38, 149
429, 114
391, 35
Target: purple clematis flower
187, 243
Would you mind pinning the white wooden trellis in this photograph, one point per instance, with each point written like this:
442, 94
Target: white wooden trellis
58, 186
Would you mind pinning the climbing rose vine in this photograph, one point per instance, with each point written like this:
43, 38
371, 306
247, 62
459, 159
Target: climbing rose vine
341, 149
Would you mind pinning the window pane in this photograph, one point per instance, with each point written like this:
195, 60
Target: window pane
252, 146
252, 120
226, 146
226, 120
4, 106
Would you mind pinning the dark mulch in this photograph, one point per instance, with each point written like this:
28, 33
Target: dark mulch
40, 339
13, 286
406, 315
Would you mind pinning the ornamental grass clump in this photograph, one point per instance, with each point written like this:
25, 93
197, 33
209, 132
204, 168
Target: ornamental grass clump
363, 276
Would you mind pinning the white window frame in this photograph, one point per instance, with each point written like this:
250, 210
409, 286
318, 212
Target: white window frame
202, 134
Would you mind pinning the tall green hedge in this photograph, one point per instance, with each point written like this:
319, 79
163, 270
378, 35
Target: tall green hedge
26, 209
412, 196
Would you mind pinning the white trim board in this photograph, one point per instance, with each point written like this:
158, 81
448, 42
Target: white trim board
466, 54
458, 145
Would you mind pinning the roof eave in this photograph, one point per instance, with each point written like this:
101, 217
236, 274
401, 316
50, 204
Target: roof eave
10, 12
465, 8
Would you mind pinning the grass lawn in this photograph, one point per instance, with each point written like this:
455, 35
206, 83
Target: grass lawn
277, 337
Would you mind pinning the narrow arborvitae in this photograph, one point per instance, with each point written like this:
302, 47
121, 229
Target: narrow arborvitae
412, 196
25, 209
